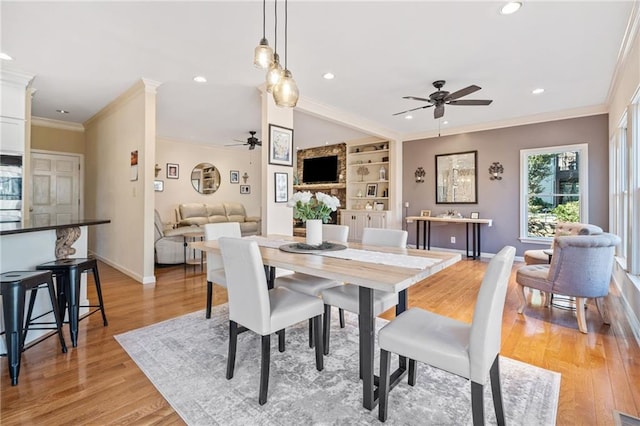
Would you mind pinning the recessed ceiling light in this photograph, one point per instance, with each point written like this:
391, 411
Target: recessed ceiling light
537, 91
199, 79
408, 117
510, 7
328, 76
62, 111
445, 122
5, 57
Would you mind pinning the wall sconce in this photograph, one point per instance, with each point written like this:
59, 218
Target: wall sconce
495, 170
419, 174
158, 168
245, 176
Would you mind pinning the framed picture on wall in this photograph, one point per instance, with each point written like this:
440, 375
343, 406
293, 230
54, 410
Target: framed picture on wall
173, 171
475, 215
425, 213
234, 176
282, 187
245, 189
280, 145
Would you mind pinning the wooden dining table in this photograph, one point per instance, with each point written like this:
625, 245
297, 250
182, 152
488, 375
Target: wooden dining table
367, 275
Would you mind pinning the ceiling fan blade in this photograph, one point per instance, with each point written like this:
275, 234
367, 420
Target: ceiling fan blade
414, 109
471, 102
235, 144
439, 111
462, 92
416, 98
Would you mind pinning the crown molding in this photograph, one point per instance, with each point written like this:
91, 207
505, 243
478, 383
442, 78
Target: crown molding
17, 78
335, 115
57, 124
519, 121
630, 37
141, 86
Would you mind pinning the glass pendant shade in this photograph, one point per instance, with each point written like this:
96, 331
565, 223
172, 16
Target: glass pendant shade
274, 74
285, 93
263, 55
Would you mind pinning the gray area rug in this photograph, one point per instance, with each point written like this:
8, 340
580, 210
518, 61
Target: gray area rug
185, 358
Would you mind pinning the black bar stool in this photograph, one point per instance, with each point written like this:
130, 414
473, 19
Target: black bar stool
14, 287
70, 272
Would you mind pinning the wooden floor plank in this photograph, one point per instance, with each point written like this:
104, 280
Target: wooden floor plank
98, 383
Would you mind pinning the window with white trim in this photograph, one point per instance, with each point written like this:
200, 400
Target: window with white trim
553, 189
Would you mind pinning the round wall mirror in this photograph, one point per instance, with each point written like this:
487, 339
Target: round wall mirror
205, 178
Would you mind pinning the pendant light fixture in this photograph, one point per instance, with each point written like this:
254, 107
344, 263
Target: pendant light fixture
286, 93
274, 74
263, 55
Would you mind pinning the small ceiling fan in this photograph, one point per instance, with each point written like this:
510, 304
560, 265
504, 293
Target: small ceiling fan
252, 141
441, 97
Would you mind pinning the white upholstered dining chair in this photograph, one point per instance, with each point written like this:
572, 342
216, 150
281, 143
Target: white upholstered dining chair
311, 285
467, 350
215, 267
254, 307
347, 296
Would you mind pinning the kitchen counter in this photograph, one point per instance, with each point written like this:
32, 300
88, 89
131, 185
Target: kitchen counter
28, 226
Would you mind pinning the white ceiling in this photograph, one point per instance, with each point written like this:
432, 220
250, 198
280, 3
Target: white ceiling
84, 54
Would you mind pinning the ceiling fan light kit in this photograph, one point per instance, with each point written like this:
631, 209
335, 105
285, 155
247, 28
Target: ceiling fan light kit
440, 98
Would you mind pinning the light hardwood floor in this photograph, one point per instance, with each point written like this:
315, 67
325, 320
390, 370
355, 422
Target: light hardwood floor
97, 383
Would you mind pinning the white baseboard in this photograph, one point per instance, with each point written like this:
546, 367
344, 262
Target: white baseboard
141, 279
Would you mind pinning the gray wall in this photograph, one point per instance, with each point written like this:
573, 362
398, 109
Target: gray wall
499, 200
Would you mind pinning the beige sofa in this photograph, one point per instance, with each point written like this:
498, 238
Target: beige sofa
197, 214
169, 242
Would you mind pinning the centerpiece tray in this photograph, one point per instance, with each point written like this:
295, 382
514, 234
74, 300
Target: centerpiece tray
307, 248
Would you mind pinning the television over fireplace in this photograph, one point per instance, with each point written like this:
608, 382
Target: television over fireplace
320, 169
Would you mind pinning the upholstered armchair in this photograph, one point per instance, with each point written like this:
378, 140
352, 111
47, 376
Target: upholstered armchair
581, 267
169, 242
539, 257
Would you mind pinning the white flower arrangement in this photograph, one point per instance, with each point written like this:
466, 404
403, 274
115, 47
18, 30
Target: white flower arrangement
306, 207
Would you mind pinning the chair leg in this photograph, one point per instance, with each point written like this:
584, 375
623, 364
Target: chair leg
318, 342
233, 342
477, 407
32, 301
412, 372
496, 391
602, 309
582, 320
96, 278
326, 326
311, 333
341, 312
207, 314
383, 389
56, 314
264, 369
522, 297
281, 336
13, 312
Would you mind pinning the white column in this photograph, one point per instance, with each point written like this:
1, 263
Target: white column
277, 218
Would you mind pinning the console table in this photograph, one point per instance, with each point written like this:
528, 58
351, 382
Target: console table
426, 230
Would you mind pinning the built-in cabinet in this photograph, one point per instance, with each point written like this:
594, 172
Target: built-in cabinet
368, 176
357, 220
368, 187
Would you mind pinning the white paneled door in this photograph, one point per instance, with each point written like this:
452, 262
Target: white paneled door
56, 188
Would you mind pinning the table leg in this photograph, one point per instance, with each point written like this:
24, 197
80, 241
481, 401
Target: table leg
367, 335
428, 235
466, 234
418, 234
477, 226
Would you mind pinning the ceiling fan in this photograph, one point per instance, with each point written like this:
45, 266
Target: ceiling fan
441, 97
252, 141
